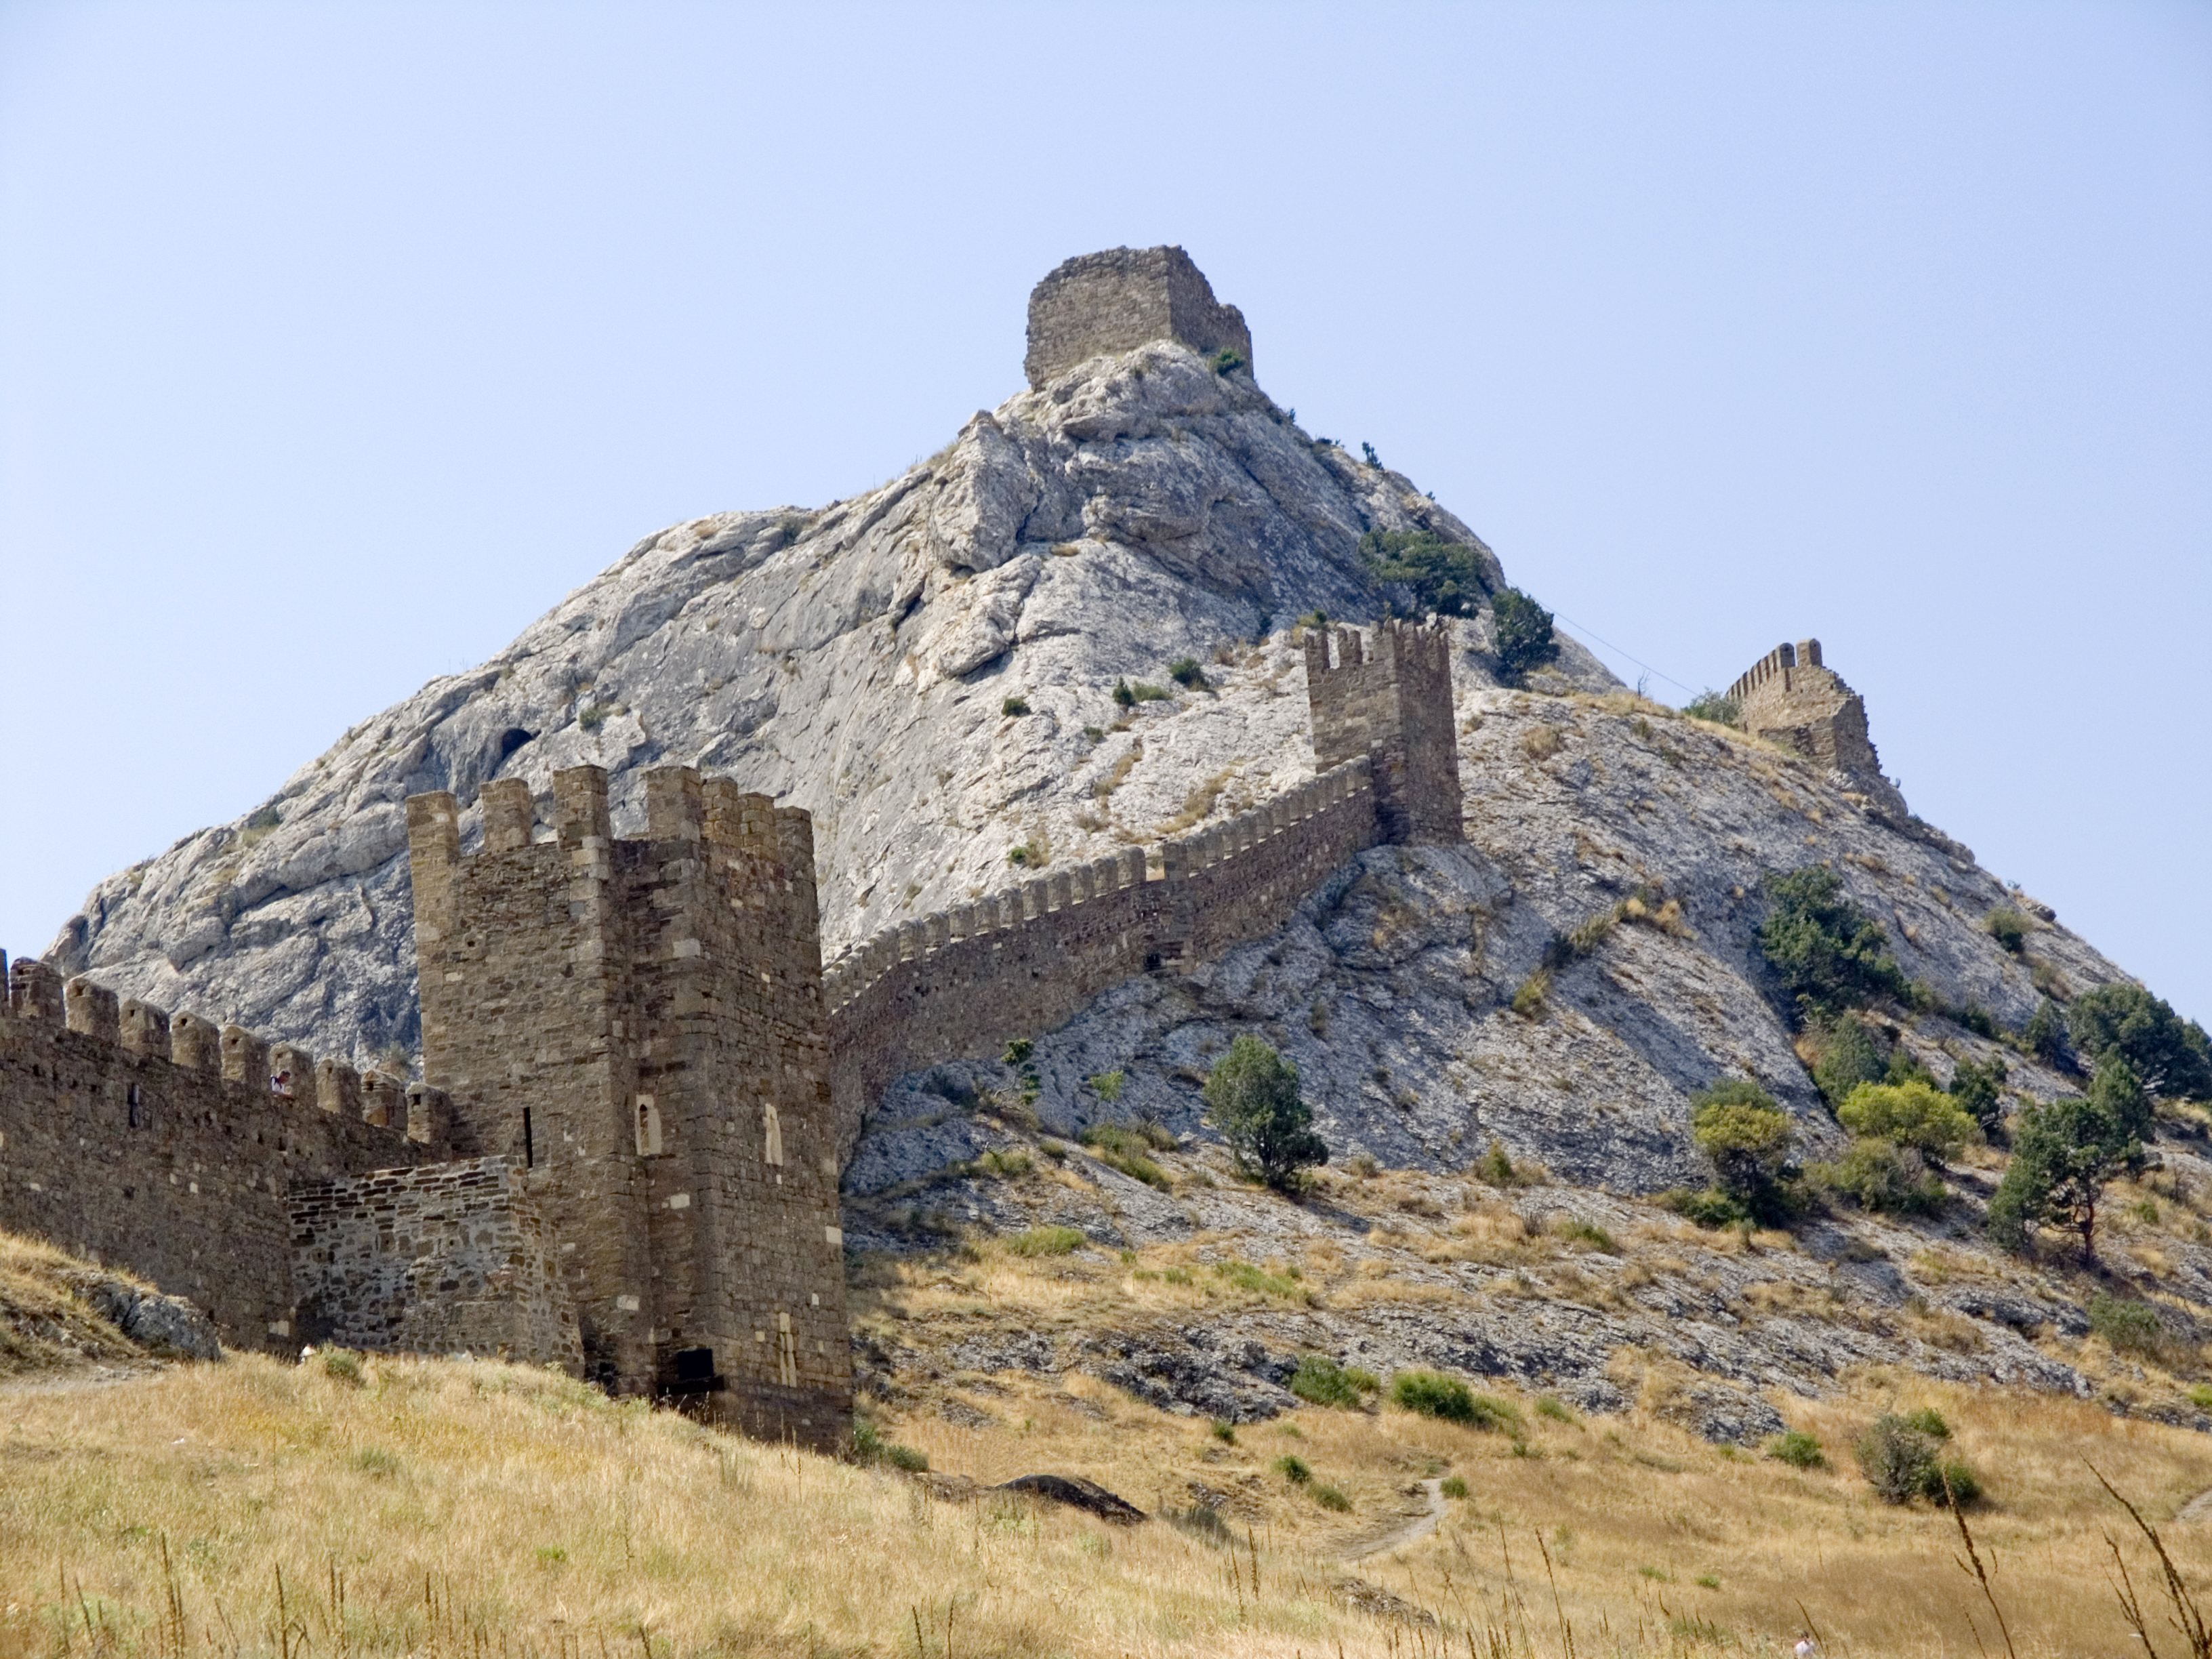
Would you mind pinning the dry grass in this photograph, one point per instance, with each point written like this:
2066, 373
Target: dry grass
43, 1326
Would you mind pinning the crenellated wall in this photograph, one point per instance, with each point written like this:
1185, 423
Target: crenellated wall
167, 1146
962, 983
1790, 696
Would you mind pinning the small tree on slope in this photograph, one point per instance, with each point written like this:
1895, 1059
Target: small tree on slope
1252, 1093
2063, 1153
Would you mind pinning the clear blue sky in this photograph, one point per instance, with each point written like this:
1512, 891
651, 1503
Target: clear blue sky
338, 341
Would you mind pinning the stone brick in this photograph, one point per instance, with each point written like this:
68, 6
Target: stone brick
1122, 299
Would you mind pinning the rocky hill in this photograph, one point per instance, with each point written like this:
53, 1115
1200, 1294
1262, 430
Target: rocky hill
1150, 504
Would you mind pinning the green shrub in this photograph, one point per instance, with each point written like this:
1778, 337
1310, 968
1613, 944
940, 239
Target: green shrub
1829, 954
341, 1366
1045, 1240
1130, 695
2171, 1057
2200, 1395
2008, 927
1008, 1165
1224, 1430
1226, 360
1976, 1090
1799, 1450
1107, 1085
1881, 1175
1552, 1409
1446, 577
1848, 1054
1014, 706
1901, 1459
1029, 854
1525, 640
1254, 1096
1710, 1208
2131, 1327
1320, 1380
2044, 1037
1496, 1168
1331, 1497
1185, 673
869, 1446
1916, 1115
1717, 707
1433, 1394
1294, 1469
593, 717
1124, 694
1453, 1487
1748, 1138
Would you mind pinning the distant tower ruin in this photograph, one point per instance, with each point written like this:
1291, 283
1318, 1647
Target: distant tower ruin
640, 1023
1790, 697
1393, 708
1116, 300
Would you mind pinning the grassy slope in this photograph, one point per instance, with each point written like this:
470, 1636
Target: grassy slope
417, 1505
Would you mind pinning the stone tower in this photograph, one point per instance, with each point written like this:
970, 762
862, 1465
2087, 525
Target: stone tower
1395, 709
640, 1024
1790, 698
1120, 300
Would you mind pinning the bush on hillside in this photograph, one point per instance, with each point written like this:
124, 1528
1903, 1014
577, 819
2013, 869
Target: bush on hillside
2008, 927
1847, 1054
1881, 1175
2171, 1057
1717, 707
1432, 1393
1748, 1138
1903, 1458
1916, 1114
1977, 1090
1446, 577
1829, 954
1320, 1380
1524, 637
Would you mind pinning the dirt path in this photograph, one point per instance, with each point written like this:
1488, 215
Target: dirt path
1399, 1530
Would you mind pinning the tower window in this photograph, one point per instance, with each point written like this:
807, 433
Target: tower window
529, 1149
648, 1127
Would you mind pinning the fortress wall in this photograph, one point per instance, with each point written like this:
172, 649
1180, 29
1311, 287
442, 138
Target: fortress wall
962, 984
1392, 703
446, 1258
159, 1144
1790, 696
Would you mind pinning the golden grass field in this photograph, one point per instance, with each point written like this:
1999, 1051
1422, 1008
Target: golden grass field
462, 1509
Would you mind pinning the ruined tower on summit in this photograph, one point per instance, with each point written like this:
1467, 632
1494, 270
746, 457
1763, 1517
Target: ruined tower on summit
1393, 708
638, 1024
1789, 696
1116, 300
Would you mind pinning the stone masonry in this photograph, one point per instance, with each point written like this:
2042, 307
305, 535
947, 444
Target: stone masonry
638, 1079
1394, 710
639, 1024
1790, 697
1116, 300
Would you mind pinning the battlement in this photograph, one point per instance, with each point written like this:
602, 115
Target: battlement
638, 1024
1790, 696
1776, 664
168, 1144
1120, 299
1392, 705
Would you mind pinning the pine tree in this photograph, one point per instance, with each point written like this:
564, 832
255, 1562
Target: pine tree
2063, 1154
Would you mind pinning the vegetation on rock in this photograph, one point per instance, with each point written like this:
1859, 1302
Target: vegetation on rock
1252, 1095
